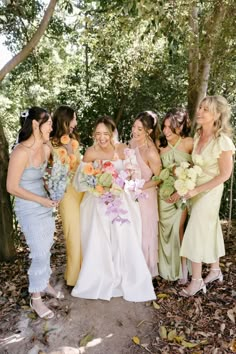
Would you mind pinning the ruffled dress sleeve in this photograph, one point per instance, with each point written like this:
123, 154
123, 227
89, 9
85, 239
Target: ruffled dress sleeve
222, 143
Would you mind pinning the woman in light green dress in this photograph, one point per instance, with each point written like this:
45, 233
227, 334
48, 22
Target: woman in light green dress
203, 239
175, 147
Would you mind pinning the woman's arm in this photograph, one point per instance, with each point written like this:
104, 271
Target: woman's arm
90, 155
17, 164
154, 162
225, 162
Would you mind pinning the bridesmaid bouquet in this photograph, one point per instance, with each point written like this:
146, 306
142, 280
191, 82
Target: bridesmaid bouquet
180, 178
186, 177
56, 178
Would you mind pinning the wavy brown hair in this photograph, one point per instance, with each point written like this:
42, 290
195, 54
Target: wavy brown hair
61, 119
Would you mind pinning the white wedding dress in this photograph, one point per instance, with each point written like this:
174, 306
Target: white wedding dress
113, 262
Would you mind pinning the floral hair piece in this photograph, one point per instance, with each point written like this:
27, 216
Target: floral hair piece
153, 115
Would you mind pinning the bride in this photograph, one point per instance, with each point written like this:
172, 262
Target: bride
113, 263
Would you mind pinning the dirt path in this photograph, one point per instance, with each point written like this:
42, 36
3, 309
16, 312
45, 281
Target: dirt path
108, 327
203, 324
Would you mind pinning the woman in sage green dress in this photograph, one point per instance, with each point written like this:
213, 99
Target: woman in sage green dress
203, 239
175, 147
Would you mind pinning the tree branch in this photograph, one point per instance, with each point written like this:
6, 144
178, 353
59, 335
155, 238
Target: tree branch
28, 48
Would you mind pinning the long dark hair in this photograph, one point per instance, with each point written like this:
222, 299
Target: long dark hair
149, 121
61, 119
26, 119
179, 119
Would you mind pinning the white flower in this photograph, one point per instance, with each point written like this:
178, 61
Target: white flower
181, 187
185, 164
190, 184
180, 173
192, 174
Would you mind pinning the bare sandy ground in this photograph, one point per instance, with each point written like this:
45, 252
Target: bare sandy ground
82, 326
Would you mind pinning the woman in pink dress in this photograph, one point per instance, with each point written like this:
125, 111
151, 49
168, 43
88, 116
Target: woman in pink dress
145, 132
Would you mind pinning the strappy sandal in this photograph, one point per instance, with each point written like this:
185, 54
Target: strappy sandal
219, 276
56, 294
202, 287
45, 315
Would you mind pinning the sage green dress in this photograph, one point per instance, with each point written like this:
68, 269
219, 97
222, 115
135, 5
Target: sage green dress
203, 239
169, 220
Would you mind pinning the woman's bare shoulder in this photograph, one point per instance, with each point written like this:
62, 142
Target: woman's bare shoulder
188, 144
90, 154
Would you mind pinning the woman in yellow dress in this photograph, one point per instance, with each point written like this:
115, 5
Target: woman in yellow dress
203, 239
65, 143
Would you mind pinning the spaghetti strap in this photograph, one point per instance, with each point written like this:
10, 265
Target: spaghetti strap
176, 145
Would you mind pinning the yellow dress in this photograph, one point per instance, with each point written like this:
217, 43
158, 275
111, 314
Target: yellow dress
203, 239
69, 209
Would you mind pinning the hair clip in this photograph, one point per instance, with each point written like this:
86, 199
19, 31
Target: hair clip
153, 115
25, 114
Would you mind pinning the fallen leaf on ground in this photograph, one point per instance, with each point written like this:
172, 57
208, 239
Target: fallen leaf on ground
136, 340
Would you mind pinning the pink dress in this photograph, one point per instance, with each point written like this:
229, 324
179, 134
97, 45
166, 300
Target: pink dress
149, 216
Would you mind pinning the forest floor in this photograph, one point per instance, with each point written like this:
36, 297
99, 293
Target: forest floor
171, 324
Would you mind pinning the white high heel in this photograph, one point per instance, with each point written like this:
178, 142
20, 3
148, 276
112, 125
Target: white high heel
202, 287
219, 276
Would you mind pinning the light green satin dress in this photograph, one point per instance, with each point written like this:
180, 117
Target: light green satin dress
170, 215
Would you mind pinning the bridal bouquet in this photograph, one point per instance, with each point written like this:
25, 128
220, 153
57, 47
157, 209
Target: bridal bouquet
102, 179
180, 179
56, 178
133, 182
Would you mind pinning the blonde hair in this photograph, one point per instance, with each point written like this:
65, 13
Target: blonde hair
221, 110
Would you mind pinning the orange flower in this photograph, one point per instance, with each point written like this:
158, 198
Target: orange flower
88, 169
99, 189
72, 158
62, 153
74, 144
97, 172
63, 160
65, 139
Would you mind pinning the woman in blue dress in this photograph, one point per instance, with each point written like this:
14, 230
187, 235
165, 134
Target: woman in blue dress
32, 206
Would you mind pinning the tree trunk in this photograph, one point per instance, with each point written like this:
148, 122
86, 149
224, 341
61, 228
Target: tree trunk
193, 58
24, 53
198, 82
120, 111
7, 249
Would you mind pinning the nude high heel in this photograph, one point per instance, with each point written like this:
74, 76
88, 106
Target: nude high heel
202, 287
45, 315
219, 276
